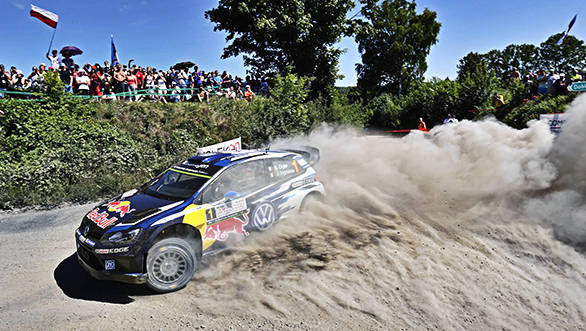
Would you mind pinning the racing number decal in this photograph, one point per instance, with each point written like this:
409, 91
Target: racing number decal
210, 214
295, 166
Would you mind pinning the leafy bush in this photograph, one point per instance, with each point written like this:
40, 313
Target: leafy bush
519, 116
69, 149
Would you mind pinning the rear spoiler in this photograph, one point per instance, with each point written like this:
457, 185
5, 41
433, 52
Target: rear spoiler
309, 153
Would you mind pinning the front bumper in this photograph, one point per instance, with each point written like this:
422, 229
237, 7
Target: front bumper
131, 278
125, 266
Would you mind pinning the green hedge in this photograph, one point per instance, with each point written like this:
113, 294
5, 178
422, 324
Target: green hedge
66, 149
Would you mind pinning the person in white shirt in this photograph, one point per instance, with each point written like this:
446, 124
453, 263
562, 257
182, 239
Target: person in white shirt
83, 83
54, 59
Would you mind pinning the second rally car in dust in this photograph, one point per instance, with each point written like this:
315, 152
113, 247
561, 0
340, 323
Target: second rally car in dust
158, 234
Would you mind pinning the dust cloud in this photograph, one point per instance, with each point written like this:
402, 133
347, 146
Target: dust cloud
465, 227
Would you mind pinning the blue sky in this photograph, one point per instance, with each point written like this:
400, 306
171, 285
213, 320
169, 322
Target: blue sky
161, 33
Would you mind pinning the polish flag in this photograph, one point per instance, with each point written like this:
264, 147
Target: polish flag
45, 16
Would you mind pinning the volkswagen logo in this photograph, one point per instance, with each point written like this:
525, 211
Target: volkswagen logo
86, 230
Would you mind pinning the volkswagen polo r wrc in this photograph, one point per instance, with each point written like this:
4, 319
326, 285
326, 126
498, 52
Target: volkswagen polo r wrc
158, 234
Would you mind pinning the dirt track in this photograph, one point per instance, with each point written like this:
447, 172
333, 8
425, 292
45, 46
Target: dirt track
525, 279
43, 287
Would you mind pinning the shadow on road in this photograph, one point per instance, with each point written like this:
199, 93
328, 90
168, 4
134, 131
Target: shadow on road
78, 284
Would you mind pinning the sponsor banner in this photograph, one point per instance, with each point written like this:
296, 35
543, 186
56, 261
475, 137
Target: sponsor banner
303, 182
577, 87
555, 121
225, 210
112, 250
193, 172
234, 145
221, 231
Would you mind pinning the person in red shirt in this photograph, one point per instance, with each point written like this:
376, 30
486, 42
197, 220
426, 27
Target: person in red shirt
132, 84
422, 125
139, 77
95, 82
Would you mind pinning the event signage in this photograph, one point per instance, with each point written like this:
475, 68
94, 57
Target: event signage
233, 145
555, 122
577, 87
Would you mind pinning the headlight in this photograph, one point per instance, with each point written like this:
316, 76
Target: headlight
124, 237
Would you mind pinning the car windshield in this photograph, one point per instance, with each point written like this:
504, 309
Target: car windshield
176, 184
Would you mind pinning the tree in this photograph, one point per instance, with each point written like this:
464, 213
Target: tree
524, 57
470, 64
275, 35
394, 42
571, 54
476, 79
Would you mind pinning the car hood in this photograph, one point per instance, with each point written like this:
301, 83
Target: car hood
127, 208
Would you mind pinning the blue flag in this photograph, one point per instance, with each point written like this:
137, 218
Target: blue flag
565, 33
114, 54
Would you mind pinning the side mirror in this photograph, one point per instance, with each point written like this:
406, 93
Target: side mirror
231, 195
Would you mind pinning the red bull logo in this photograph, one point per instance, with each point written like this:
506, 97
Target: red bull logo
121, 207
101, 219
222, 230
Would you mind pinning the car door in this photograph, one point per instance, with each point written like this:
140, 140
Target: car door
228, 200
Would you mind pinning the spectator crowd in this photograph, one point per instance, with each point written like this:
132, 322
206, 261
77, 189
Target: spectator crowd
133, 82
548, 81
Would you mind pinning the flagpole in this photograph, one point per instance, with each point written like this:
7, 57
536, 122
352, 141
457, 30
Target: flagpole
51, 43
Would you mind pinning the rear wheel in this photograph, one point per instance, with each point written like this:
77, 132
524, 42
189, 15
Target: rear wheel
308, 199
171, 264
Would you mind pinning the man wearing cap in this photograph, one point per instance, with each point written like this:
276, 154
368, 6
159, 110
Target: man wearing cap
248, 94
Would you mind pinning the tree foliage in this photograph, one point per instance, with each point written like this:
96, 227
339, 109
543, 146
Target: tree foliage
476, 79
571, 54
275, 35
524, 57
394, 42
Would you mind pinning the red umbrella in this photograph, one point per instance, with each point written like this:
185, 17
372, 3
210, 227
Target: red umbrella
70, 51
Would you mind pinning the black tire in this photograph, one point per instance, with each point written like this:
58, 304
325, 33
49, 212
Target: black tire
263, 216
171, 264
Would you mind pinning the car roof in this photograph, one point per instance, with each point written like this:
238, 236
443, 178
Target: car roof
227, 159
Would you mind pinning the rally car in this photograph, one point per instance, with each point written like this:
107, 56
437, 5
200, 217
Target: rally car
157, 234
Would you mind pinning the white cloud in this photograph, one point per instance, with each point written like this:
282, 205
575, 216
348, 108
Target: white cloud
18, 4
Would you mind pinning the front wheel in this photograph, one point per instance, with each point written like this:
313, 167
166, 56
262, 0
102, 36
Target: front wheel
171, 264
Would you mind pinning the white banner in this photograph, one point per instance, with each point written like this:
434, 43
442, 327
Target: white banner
234, 145
555, 122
